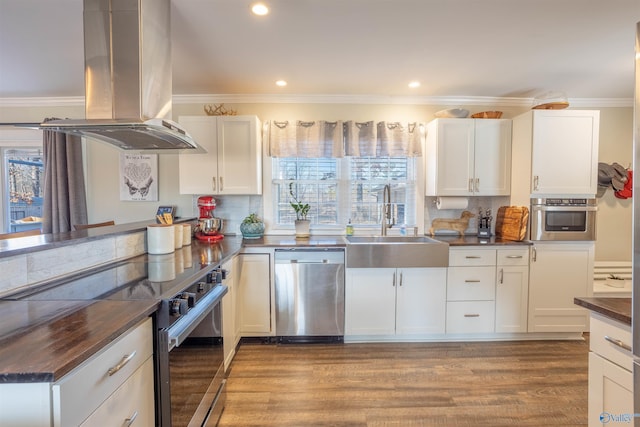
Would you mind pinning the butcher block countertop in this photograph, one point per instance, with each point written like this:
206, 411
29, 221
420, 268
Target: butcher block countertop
618, 309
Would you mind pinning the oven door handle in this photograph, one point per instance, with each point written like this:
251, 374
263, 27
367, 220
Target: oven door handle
180, 330
565, 208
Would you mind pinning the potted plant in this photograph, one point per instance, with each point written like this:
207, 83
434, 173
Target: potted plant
252, 227
301, 209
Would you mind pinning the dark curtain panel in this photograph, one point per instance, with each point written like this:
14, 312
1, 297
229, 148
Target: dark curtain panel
65, 200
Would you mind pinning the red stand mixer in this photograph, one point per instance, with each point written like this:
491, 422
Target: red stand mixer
208, 226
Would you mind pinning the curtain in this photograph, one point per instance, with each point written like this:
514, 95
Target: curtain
396, 140
306, 139
360, 139
65, 201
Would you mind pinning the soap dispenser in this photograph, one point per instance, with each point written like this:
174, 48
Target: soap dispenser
349, 228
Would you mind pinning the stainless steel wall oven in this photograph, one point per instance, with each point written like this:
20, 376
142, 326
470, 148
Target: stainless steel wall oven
563, 219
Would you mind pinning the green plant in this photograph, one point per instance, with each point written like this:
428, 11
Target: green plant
252, 219
302, 209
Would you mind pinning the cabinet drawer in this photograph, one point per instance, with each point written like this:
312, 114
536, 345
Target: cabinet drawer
602, 327
91, 383
471, 257
470, 317
471, 283
132, 402
513, 256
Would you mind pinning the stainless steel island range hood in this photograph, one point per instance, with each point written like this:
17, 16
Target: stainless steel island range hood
127, 53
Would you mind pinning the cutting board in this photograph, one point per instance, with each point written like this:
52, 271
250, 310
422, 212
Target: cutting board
512, 222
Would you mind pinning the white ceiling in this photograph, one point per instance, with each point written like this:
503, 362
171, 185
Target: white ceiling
455, 48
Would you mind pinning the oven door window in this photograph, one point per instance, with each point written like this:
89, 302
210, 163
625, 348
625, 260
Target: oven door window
194, 366
565, 221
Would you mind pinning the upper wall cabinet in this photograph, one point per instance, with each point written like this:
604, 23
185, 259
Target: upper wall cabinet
468, 157
555, 153
233, 162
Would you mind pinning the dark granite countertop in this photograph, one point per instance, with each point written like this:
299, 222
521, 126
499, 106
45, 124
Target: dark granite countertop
478, 241
44, 336
614, 308
291, 241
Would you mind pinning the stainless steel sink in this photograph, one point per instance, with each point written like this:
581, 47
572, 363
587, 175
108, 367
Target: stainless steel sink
396, 251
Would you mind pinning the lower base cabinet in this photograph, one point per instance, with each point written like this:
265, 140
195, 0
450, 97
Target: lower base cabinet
253, 295
610, 373
96, 393
390, 301
559, 272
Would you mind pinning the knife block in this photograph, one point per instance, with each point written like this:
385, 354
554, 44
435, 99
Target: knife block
484, 231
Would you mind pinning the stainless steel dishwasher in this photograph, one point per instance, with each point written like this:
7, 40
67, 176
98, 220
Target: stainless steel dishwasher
309, 286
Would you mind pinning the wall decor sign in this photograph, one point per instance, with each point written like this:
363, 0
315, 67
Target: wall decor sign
139, 177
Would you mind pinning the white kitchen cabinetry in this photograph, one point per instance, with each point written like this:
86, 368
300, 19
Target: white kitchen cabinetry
471, 291
117, 381
559, 272
390, 301
233, 162
468, 157
555, 153
610, 371
512, 290
254, 295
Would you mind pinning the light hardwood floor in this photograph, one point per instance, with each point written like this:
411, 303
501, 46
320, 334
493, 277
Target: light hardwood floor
531, 383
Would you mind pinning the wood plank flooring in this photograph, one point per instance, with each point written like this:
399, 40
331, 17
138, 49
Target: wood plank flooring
531, 383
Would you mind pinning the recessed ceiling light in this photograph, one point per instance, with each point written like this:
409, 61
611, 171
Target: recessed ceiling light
414, 84
260, 9
281, 83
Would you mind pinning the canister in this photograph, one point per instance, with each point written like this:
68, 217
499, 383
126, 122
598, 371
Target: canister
160, 239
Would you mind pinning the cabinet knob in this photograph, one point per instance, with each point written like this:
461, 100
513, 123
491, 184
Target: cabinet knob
129, 421
213, 184
126, 359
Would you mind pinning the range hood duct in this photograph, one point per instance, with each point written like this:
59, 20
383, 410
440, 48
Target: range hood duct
128, 78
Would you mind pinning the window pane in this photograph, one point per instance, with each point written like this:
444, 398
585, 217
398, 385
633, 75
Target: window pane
25, 187
369, 175
314, 183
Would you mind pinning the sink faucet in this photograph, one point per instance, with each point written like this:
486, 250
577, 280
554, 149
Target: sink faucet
388, 219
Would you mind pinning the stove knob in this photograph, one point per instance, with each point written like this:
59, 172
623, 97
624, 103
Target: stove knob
190, 297
201, 286
178, 307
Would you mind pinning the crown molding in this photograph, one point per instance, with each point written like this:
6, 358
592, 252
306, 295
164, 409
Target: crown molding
74, 101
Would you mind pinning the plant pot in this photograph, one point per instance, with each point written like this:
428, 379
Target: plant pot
302, 228
252, 230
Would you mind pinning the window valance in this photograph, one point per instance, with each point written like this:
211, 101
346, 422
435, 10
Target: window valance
338, 139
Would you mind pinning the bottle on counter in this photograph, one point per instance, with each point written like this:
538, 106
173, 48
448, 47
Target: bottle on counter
349, 228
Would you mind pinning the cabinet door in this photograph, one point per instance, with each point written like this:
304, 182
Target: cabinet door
239, 155
610, 392
559, 272
421, 301
565, 152
198, 173
370, 301
512, 287
254, 294
492, 156
450, 144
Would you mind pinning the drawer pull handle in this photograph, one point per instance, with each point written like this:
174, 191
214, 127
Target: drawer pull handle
129, 421
617, 342
471, 315
472, 257
514, 256
126, 359
472, 281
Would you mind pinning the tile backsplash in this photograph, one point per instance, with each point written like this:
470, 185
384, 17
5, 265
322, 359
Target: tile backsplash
232, 210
